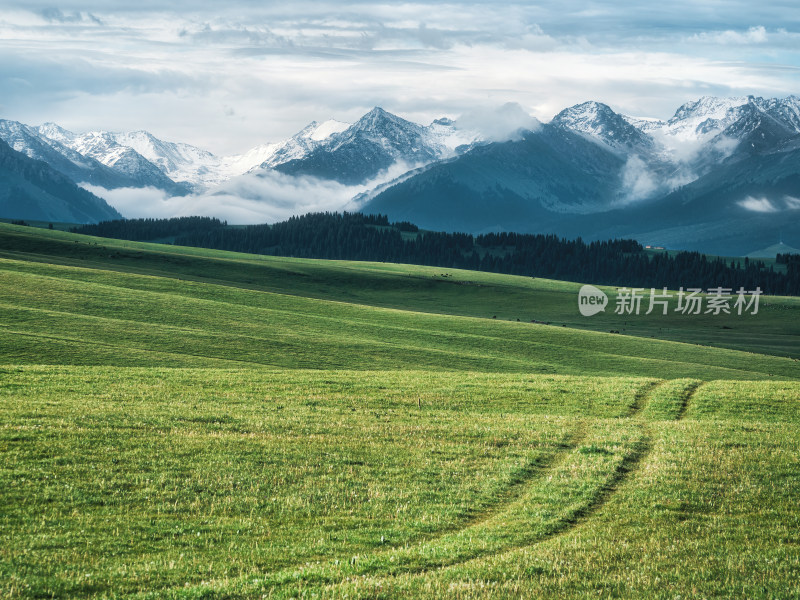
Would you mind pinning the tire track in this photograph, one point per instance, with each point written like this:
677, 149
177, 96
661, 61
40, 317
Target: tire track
687, 396
514, 491
511, 494
640, 398
630, 462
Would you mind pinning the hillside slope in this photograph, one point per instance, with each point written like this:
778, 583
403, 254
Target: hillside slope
31, 189
95, 301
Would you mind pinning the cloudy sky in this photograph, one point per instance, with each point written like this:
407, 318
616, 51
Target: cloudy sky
227, 76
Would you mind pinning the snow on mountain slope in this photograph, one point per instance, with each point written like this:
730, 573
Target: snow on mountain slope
645, 124
267, 156
101, 146
373, 144
327, 129
449, 139
57, 151
704, 117
300, 144
252, 159
180, 162
710, 130
378, 142
56, 133
382, 128
136, 153
786, 111
26, 139
600, 123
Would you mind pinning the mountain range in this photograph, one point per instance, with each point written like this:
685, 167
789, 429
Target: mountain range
722, 175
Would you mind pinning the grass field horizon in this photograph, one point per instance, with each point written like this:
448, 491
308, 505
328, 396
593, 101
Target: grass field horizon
187, 423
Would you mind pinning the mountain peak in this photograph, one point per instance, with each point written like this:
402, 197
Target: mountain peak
589, 105
306, 132
378, 117
55, 132
589, 113
381, 124
600, 122
709, 107
139, 133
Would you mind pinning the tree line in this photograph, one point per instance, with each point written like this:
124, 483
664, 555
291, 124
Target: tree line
149, 230
354, 236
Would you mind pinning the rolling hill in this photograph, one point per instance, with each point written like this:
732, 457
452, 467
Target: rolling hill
378, 311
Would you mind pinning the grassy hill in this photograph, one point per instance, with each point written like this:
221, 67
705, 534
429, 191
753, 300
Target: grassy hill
184, 423
263, 281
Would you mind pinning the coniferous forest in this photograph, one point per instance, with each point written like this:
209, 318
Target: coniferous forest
354, 236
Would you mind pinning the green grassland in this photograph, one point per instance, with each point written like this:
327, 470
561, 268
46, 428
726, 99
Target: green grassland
774, 330
185, 423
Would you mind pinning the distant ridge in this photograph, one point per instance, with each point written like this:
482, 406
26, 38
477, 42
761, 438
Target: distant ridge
32, 189
773, 251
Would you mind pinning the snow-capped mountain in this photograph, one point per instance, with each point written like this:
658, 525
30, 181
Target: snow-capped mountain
52, 144
26, 140
56, 133
104, 147
708, 118
786, 110
203, 170
376, 142
598, 122
180, 162
722, 174
645, 124
703, 118
449, 138
140, 159
139, 155
705, 133
326, 129
267, 156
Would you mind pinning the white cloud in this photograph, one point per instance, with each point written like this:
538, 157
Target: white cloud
791, 202
684, 151
725, 146
637, 181
140, 202
754, 35
761, 205
261, 197
498, 124
229, 78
